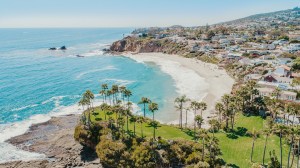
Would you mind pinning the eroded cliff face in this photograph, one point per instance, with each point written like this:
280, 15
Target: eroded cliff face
132, 44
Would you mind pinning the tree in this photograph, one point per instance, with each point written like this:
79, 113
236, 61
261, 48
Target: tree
186, 115
226, 101
115, 91
267, 132
254, 134
133, 120
276, 93
122, 91
179, 101
195, 106
219, 108
127, 94
274, 163
199, 120
141, 120
281, 129
214, 125
87, 98
153, 107
144, 101
128, 113
103, 91
202, 107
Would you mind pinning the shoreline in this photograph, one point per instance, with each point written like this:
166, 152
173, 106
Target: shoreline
54, 139
215, 82
49, 136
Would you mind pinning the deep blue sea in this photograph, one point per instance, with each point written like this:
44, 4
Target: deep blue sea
36, 83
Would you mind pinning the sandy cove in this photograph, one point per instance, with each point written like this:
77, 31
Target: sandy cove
217, 81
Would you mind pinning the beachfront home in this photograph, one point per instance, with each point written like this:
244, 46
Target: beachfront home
284, 95
283, 71
255, 77
292, 48
236, 56
274, 78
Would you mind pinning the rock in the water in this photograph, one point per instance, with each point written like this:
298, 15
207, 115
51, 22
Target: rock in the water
63, 48
53, 48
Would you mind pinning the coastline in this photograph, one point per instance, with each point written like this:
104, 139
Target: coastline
213, 82
55, 140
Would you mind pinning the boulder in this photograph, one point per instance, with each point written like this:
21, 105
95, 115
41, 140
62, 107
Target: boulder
53, 48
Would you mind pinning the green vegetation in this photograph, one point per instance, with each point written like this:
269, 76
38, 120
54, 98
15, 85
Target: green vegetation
238, 136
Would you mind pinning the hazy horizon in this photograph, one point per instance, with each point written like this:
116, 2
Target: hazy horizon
131, 14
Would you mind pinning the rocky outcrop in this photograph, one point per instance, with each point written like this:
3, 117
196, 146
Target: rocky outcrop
55, 139
133, 44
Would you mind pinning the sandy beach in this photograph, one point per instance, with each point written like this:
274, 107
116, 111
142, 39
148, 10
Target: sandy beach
197, 80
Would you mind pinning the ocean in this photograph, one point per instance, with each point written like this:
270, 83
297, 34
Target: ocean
36, 83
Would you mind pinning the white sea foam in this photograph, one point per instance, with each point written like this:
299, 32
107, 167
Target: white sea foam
9, 152
117, 81
24, 107
96, 70
93, 53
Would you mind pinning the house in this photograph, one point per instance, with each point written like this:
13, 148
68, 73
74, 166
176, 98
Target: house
283, 71
274, 78
284, 95
236, 56
292, 48
255, 77
283, 61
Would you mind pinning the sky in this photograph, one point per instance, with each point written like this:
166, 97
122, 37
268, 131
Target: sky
130, 13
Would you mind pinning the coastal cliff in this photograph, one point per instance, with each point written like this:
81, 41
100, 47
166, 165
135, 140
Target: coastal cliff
148, 44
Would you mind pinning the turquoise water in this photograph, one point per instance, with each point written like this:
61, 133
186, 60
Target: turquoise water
37, 81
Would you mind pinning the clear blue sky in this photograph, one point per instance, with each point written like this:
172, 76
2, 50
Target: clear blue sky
131, 13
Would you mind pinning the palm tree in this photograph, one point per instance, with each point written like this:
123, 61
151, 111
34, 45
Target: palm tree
203, 134
127, 113
133, 120
199, 120
122, 91
214, 125
195, 106
186, 111
127, 93
141, 120
281, 129
267, 132
115, 91
179, 101
153, 107
202, 107
219, 108
254, 134
276, 93
226, 101
104, 88
109, 93
144, 101
293, 132
88, 96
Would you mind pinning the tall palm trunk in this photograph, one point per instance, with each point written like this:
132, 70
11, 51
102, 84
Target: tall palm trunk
265, 148
142, 130
203, 148
298, 153
290, 150
144, 109
252, 150
134, 128
280, 148
127, 128
185, 119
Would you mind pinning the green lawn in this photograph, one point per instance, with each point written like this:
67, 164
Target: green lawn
235, 150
